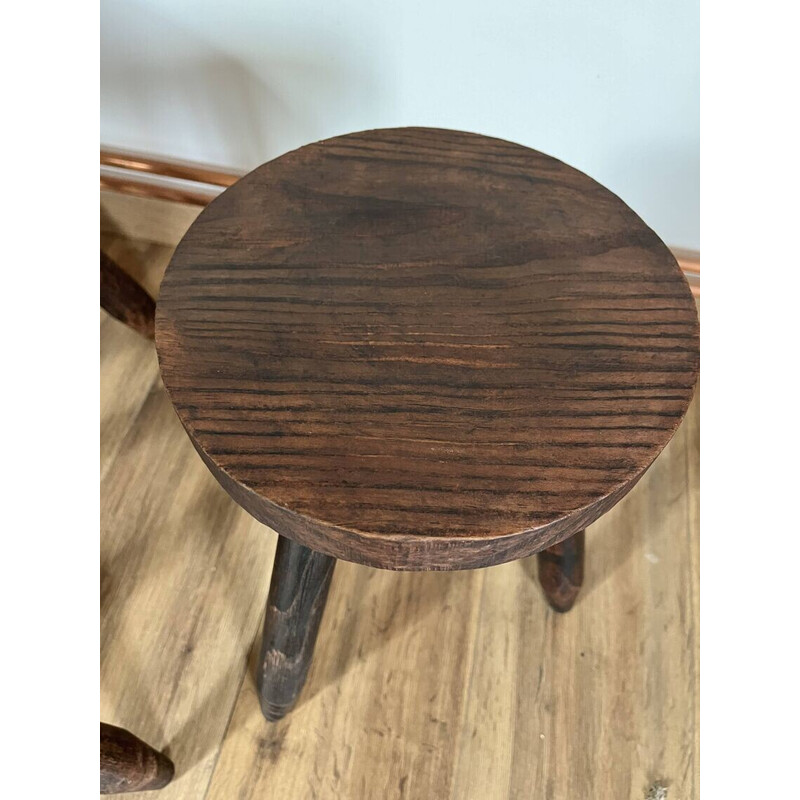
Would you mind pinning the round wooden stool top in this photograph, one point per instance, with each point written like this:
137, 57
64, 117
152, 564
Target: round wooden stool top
425, 349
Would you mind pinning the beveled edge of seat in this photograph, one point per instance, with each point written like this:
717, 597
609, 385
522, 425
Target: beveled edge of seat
406, 552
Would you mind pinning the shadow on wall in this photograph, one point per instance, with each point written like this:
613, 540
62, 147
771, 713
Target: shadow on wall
162, 82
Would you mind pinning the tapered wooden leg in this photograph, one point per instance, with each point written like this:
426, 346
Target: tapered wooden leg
561, 571
127, 764
123, 298
300, 581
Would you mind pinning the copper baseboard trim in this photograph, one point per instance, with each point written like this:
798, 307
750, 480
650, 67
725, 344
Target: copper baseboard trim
189, 182
168, 167
151, 190
689, 262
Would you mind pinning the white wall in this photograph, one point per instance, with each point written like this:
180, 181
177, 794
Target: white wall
609, 87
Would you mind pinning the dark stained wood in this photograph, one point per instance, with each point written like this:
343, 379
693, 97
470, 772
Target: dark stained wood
127, 764
425, 349
561, 571
125, 299
297, 594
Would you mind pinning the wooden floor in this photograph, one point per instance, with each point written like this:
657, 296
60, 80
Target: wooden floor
424, 686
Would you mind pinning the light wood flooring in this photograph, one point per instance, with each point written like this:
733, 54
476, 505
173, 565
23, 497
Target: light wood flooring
424, 686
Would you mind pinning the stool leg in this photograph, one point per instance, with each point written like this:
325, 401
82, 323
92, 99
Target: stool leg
300, 581
561, 571
123, 298
127, 764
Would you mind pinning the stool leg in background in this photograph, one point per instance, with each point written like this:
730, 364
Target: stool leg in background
127, 764
561, 571
123, 298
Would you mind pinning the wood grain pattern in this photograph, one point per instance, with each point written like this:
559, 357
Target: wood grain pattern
507, 686
425, 349
297, 594
127, 764
561, 571
123, 298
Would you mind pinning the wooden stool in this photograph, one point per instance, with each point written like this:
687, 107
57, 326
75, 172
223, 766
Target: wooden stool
421, 349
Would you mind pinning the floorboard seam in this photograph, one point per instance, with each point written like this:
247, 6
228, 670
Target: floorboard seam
232, 712
468, 688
